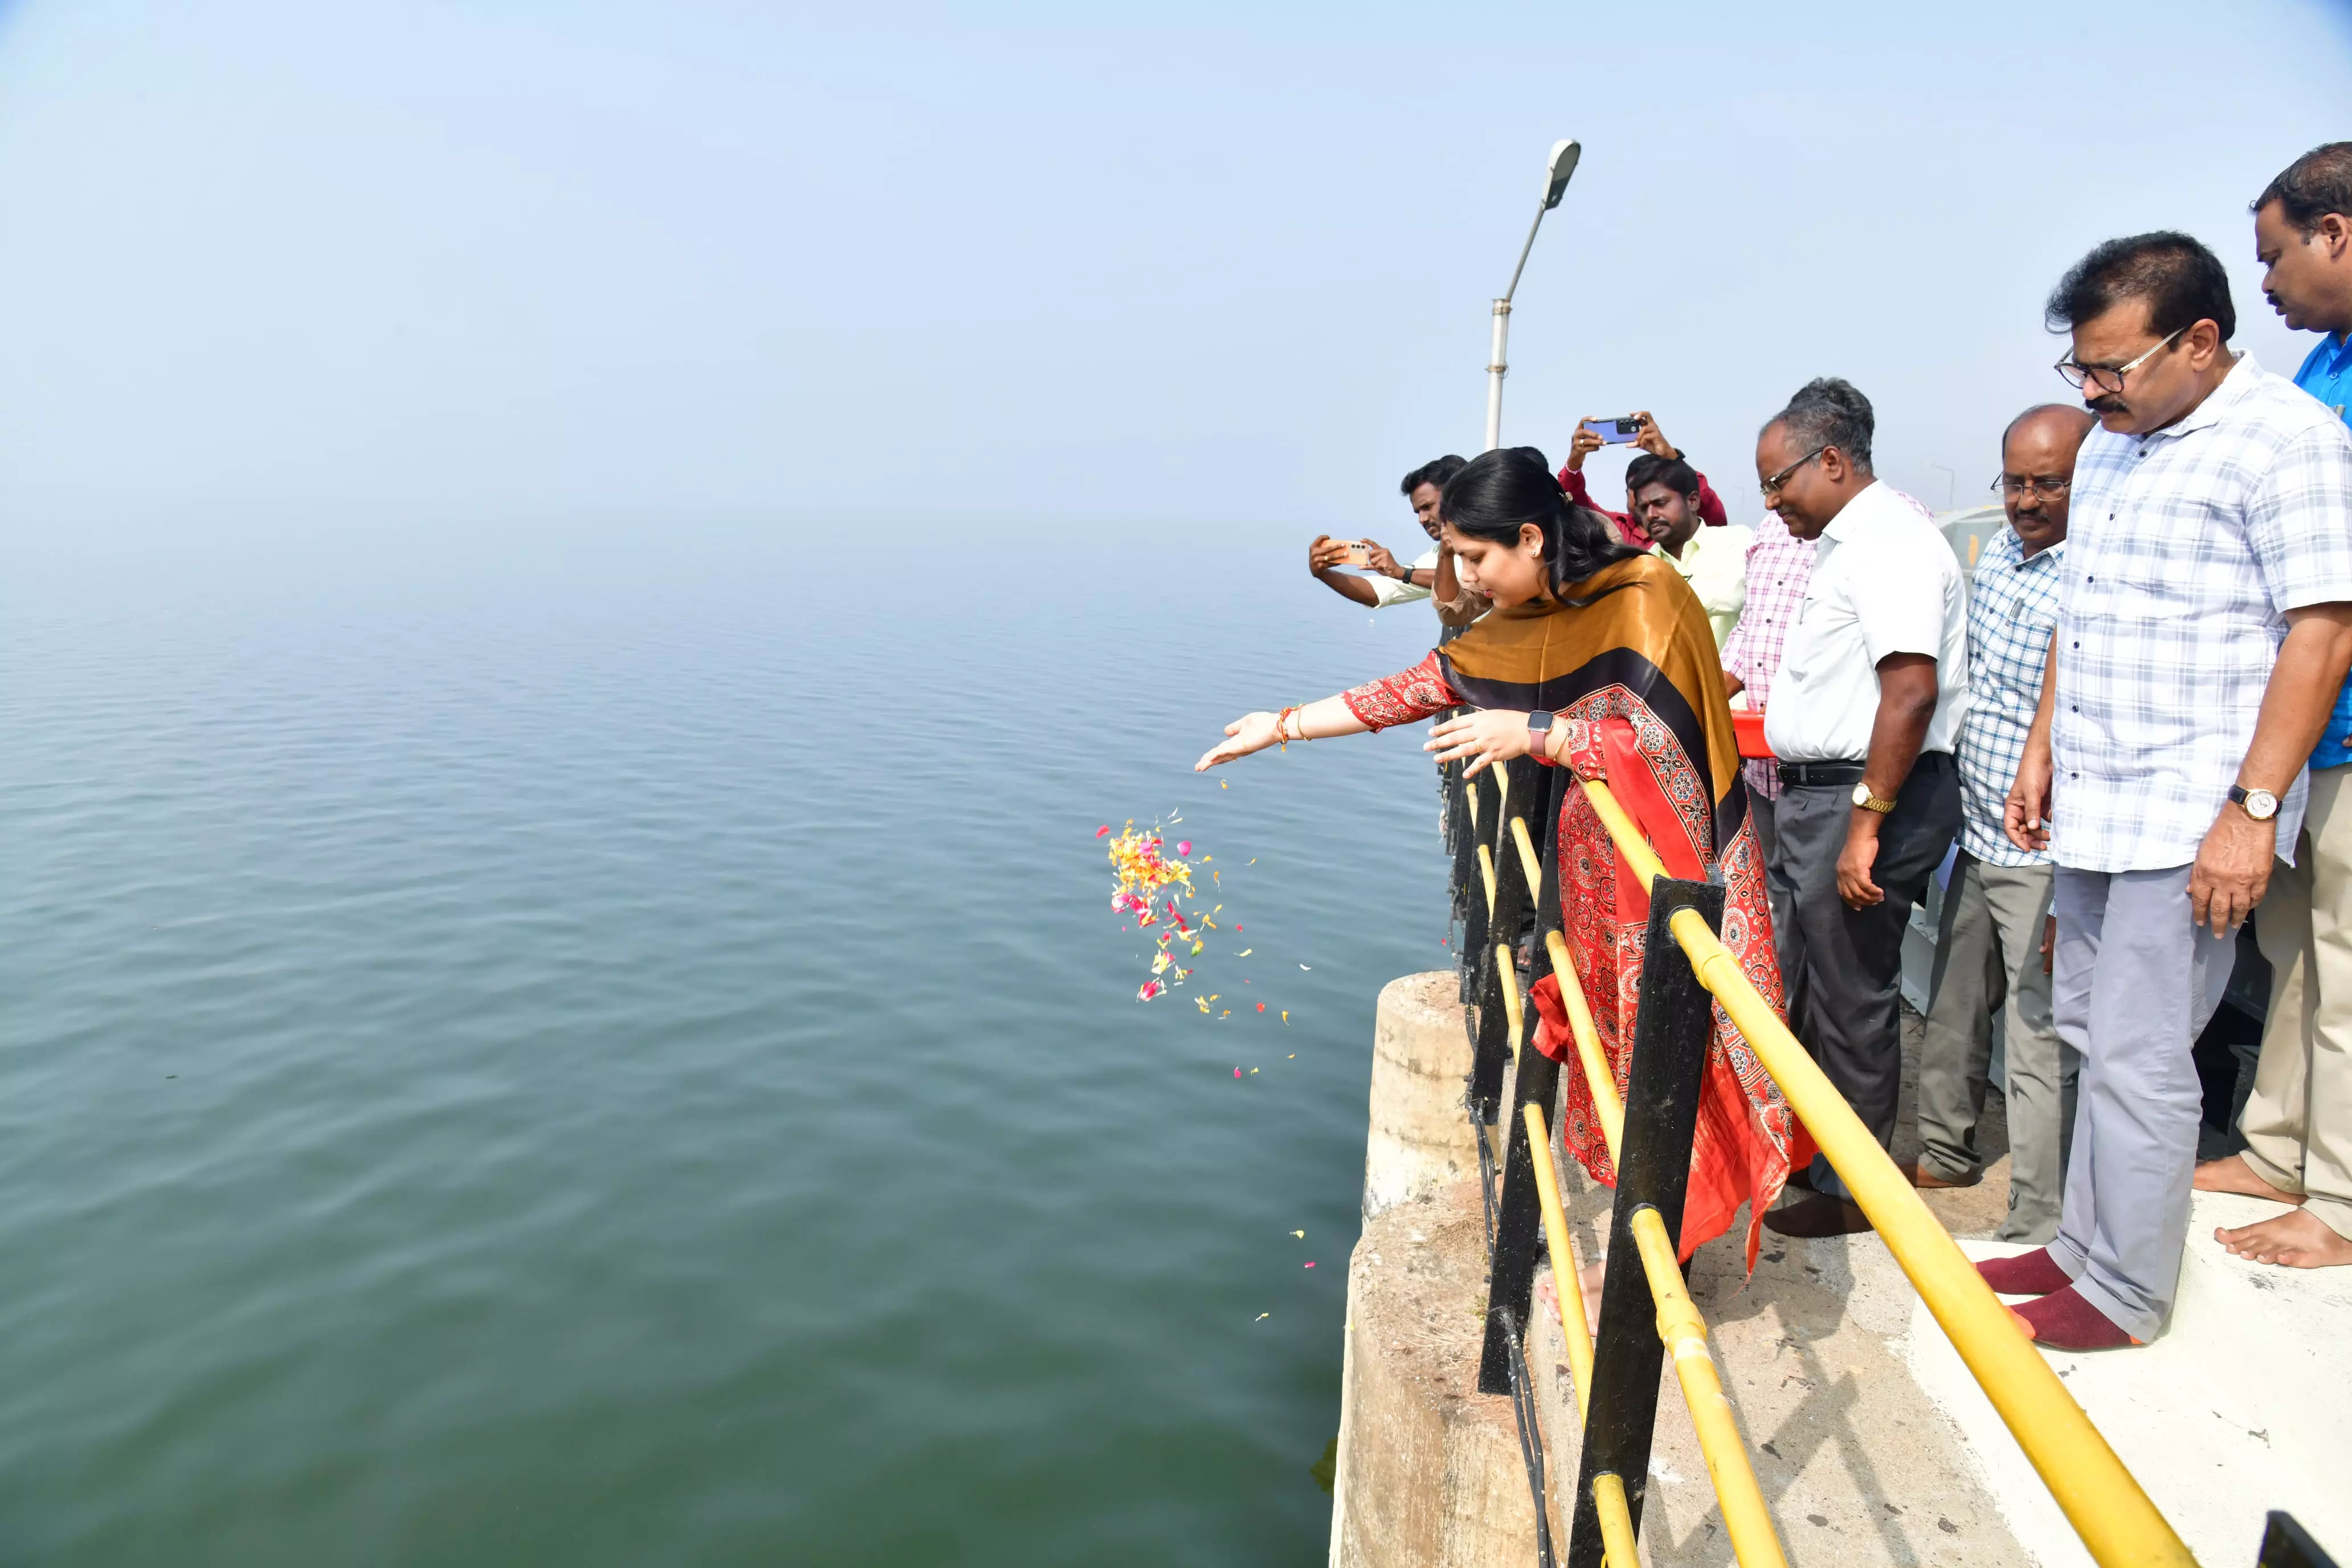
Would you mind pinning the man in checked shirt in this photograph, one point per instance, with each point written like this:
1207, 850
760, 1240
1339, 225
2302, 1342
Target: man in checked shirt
1990, 956
2204, 628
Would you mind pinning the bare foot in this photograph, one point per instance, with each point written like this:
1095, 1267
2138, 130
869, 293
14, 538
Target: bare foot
1589, 1278
2296, 1239
2231, 1173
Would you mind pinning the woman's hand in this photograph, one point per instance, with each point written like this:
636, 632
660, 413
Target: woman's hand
1488, 735
1250, 732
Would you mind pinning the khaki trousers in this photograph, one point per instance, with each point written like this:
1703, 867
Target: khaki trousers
1987, 961
2298, 1121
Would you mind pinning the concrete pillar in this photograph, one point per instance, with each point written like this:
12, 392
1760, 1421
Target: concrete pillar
1429, 1473
1419, 1138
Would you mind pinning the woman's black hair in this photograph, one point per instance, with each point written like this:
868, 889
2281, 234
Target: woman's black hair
1496, 492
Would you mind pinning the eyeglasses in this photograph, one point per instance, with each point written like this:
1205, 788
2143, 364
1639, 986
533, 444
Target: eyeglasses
1771, 487
2108, 378
2047, 484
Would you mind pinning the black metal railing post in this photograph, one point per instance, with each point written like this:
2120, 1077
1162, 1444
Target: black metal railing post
1517, 1239
1514, 908
1673, 1026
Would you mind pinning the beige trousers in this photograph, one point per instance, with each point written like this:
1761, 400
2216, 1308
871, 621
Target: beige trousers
2298, 1121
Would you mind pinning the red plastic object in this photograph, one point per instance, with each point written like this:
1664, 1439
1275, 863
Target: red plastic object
1748, 725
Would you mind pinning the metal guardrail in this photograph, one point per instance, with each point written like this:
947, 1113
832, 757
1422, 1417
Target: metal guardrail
1511, 926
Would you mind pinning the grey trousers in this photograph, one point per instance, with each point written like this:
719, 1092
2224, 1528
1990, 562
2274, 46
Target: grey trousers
1759, 811
1842, 966
2136, 984
1989, 961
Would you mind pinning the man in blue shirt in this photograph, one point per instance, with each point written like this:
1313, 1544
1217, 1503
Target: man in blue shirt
2298, 1121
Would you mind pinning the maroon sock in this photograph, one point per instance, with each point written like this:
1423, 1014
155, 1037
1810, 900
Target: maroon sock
2064, 1321
2034, 1273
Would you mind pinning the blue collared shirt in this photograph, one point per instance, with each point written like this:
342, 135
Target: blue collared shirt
2326, 374
2012, 605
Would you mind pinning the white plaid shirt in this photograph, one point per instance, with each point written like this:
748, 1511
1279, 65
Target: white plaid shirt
2185, 548
2012, 605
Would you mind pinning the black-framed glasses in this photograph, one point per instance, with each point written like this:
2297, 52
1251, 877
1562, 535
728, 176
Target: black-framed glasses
2049, 485
1771, 487
2108, 378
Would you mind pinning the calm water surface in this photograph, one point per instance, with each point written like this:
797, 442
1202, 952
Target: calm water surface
607, 1045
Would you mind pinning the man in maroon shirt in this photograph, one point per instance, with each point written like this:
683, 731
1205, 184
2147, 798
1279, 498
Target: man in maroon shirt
1628, 526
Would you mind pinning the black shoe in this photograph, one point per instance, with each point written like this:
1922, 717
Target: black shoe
1818, 1215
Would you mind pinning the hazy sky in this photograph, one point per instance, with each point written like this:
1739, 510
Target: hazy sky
263, 256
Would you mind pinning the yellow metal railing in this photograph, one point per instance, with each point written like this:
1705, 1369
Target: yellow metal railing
1746, 1519
2118, 1523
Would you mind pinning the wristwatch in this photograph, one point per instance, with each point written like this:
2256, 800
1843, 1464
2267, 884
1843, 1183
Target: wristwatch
1869, 802
2260, 804
1540, 725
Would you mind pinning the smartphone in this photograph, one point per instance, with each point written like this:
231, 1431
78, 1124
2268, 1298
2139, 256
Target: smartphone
1615, 432
1356, 554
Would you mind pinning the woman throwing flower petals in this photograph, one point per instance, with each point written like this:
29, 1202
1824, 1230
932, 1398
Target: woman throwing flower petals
1609, 647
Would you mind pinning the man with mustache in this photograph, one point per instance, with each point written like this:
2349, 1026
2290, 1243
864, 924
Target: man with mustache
2298, 1119
2204, 629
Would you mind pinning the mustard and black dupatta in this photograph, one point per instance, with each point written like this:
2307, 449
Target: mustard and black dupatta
1638, 627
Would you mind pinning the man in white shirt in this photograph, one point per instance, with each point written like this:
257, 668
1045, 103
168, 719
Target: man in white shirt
1864, 715
2204, 628
1713, 561
1385, 580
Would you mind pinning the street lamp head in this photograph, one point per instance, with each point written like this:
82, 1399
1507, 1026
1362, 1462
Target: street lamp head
1557, 170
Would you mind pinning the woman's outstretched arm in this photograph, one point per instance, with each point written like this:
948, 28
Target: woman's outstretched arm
1256, 732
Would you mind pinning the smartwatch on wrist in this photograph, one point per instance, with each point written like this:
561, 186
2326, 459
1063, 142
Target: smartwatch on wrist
1540, 725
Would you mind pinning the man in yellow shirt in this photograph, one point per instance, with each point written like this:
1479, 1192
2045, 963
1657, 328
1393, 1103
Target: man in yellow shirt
1713, 561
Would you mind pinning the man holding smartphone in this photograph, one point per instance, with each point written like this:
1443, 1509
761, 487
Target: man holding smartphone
1389, 582
1649, 438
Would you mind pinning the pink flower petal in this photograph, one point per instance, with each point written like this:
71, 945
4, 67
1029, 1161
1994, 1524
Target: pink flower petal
1185, 848
1103, 830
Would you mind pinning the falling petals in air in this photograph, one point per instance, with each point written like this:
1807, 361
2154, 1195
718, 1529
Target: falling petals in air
1104, 831
1184, 847
1149, 989
1261, 1006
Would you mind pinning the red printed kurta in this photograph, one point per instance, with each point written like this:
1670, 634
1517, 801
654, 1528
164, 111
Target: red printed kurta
1633, 672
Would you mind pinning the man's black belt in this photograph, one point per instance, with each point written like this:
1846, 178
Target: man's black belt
1820, 774
1850, 774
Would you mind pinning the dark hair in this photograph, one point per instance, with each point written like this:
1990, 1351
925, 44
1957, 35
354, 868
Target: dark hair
1499, 492
2182, 282
1438, 471
1649, 468
2318, 184
1829, 411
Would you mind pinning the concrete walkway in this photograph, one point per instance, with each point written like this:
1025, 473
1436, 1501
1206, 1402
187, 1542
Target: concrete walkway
1874, 1444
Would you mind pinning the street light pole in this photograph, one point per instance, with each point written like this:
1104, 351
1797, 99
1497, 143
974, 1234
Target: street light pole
1557, 170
